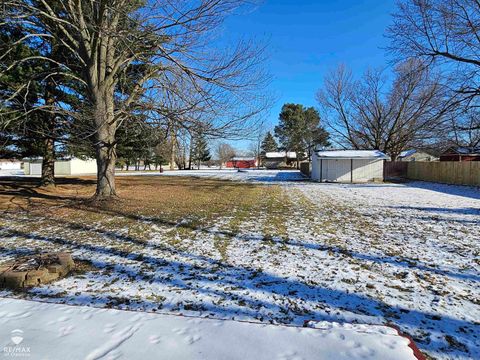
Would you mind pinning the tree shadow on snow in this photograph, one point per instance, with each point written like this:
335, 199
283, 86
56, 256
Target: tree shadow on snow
376, 258
459, 211
457, 190
241, 286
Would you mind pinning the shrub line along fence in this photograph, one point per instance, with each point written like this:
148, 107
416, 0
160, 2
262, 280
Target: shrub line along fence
448, 172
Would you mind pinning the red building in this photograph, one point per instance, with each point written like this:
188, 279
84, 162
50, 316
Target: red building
461, 154
241, 163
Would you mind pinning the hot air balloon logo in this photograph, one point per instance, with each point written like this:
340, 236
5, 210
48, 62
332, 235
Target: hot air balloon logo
17, 336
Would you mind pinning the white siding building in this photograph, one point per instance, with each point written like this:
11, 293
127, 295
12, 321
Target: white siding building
415, 155
279, 159
10, 164
353, 166
73, 166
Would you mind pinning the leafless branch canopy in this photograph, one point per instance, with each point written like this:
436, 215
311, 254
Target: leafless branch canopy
365, 114
160, 57
444, 33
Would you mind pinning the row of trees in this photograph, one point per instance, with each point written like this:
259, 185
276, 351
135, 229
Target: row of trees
83, 76
144, 144
432, 101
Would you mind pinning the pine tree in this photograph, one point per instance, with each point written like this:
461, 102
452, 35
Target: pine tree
36, 129
299, 130
138, 141
269, 144
291, 129
315, 134
200, 151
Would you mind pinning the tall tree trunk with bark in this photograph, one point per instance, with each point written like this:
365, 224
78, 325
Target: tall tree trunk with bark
105, 146
48, 163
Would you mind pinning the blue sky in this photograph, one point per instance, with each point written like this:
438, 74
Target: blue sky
306, 39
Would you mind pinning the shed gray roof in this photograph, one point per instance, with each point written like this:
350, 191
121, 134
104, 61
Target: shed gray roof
352, 154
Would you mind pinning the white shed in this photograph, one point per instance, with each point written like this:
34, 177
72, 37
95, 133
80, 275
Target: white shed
10, 164
348, 165
72, 166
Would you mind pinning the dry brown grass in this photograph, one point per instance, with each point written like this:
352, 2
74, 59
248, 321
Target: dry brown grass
164, 199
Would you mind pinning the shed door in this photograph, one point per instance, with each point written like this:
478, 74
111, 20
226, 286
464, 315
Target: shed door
35, 168
337, 170
367, 170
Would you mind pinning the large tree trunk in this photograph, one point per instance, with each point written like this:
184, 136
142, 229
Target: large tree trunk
48, 163
105, 147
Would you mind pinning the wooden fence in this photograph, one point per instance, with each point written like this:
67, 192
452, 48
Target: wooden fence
393, 170
449, 172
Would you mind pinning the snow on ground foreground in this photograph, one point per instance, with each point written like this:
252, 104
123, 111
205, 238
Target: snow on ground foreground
52, 331
11, 172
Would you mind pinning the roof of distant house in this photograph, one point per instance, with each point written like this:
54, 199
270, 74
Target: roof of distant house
281, 154
242, 158
463, 150
9, 160
407, 153
411, 152
352, 154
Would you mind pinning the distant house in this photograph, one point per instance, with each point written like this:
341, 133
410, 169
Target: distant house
348, 165
10, 164
241, 162
461, 154
415, 155
279, 159
68, 166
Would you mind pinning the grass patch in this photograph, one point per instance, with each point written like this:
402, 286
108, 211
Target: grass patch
149, 200
181, 206
277, 208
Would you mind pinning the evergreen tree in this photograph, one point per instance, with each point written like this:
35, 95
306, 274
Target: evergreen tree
269, 144
19, 122
30, 125
299, 130
138, 141
199, 150
315, 134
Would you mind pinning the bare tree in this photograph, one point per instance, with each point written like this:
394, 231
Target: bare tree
150, 57
444, 34
255, 146
363, 114
464, 128
183, 149
254, 151
224, 153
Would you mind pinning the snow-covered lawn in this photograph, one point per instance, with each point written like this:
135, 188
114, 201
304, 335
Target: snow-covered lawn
11, 172
52, 331
401, 253
250, 175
